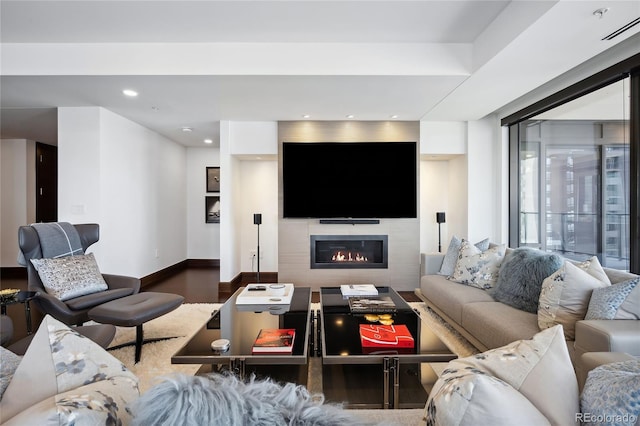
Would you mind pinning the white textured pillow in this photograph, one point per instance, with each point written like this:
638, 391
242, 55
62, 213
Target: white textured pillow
471, 397
451, 257
565, 295
70, 276
594, 268
540, 369
478, 268
60, 360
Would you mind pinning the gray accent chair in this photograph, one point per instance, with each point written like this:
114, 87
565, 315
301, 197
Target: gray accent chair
73, 311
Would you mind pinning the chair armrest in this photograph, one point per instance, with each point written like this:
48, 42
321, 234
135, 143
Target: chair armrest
608, 336
49, 304
430, 263
121, 281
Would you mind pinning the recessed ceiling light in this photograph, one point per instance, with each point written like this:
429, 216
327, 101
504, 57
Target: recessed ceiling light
306, 116
350, 116
187, 129
394, 116
130, 93
208, 141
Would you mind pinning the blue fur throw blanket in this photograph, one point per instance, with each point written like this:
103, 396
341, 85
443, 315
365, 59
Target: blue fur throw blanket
521, 275
226, 400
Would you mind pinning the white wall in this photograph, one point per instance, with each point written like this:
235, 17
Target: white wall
128, 179
17, 203
246, 187
259, 194
458, 210
483, 176
435, 196
443, 137
203, 239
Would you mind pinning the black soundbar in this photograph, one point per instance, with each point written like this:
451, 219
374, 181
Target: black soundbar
350, 221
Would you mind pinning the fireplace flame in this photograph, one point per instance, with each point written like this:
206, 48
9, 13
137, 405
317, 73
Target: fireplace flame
348, 257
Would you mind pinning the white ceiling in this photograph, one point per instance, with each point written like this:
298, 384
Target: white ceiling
195, 63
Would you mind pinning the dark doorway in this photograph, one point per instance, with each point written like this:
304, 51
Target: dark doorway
46, 183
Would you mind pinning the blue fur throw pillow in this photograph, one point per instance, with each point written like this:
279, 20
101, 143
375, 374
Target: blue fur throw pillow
521, 276
182, 400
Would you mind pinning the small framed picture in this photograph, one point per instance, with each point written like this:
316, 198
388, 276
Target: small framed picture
212, 212
213, 179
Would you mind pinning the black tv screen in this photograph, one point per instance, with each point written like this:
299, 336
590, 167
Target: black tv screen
349, 179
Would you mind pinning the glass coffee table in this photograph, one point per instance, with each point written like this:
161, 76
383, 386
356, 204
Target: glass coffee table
385, 378
240, 324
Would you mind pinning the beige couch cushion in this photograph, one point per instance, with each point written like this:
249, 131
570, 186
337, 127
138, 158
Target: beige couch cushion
495, 324
450, 296
607, 336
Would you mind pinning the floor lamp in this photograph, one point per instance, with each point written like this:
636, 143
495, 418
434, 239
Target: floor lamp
440, 220
257, 220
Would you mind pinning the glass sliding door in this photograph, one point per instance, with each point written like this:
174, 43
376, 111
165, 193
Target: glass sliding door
573, 178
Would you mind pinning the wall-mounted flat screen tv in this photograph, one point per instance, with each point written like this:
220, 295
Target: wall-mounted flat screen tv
349, 179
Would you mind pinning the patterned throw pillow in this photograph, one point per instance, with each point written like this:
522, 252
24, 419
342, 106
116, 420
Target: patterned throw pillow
539, 369
70, 276
451, 257
565, 295
618, 301
478, 268
8, 364
469, 396
67, 377
611, 395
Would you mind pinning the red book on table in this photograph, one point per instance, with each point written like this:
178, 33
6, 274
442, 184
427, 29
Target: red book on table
274, 341
385, 336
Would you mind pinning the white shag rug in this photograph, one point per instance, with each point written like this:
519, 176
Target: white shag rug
155, 361
449, 335
183, 322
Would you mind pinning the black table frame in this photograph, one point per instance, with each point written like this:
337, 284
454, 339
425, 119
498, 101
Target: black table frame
24, 297
198, 351
335, 309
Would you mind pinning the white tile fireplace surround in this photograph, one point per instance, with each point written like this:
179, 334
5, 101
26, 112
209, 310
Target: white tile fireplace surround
403, 248
402, 270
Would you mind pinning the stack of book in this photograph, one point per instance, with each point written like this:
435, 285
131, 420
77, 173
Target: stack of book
349, 290
274, 341
386, 337
372, 305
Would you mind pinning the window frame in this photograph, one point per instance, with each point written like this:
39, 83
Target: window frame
628, 68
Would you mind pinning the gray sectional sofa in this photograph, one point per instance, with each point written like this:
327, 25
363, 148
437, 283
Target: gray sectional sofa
489, 324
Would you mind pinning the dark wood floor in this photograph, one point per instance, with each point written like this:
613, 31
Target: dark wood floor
196, 285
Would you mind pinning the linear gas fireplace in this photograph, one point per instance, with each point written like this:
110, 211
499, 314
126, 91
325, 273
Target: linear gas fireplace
348, 251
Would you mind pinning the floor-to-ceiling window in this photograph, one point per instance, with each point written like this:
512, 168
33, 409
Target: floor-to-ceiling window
573, 189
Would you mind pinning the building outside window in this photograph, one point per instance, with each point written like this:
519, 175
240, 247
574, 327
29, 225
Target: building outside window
573, 178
